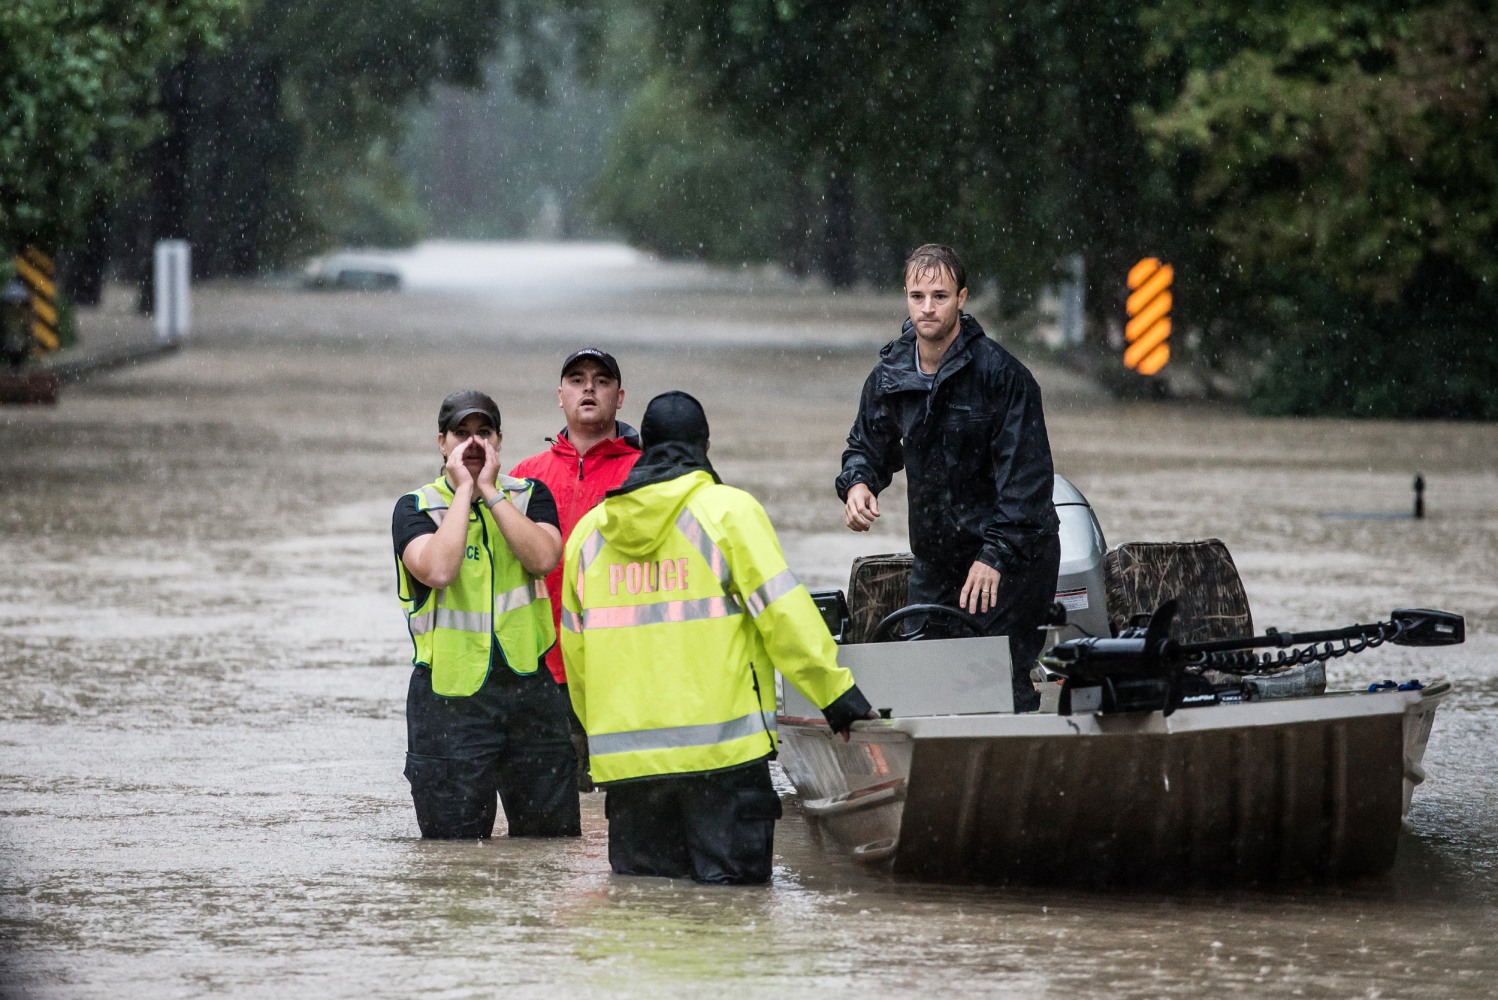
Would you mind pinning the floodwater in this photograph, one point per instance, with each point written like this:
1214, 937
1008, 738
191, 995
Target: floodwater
204, 666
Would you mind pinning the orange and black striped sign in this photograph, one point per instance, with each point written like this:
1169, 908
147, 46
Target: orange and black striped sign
1149, 316
38, 273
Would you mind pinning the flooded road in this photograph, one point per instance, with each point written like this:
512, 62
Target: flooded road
204, 665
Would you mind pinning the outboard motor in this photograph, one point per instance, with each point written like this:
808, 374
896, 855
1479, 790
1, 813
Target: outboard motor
1079, 583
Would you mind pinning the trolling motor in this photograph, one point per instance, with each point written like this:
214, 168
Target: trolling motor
1144, 670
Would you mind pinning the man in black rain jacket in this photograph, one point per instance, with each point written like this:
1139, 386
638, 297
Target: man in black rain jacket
963, 417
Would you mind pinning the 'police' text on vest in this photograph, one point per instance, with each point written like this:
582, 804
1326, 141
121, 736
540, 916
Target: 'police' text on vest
648, 577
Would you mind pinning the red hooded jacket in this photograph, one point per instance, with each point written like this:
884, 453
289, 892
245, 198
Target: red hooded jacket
577, 482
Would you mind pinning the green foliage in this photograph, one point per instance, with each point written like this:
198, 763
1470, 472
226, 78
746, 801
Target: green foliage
680, 182
1339, 162
1371, 364
1314, 170
362, 199
1005, 130
75, 75
290, 128
276, 142
346, 70
1355, 141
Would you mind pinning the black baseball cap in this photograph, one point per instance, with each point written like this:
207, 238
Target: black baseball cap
673, 416
602, 357
461, 404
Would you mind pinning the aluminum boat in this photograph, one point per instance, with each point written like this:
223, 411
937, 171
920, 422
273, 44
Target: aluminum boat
1147, 765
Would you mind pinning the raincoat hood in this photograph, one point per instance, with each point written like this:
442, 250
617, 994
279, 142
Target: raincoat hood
635, 520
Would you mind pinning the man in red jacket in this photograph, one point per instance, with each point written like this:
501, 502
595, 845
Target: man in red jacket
590, 456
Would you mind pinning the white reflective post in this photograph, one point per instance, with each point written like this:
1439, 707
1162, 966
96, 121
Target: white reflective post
173, 280
1073, 300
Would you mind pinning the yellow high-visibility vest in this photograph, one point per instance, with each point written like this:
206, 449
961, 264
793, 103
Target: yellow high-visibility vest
677, 608
492, 600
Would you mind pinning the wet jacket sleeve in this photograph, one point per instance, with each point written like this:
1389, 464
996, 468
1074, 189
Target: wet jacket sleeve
874, 453
569, 639
791, 630
849, 707
1020, 459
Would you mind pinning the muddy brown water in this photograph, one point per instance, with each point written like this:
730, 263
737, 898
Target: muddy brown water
203, 668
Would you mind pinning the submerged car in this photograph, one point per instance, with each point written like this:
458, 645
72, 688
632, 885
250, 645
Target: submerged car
352, 271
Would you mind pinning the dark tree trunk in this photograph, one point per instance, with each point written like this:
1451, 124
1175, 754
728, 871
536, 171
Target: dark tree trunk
253, 234
83, 267
798, 228
166, 215
838, 258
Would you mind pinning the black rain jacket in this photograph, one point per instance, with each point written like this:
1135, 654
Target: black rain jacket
973, 446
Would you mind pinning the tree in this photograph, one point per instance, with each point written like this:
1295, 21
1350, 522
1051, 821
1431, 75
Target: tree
1320, 173
1339, 157
282, 139
1353, 141
680, 181
1005, 130
78, 78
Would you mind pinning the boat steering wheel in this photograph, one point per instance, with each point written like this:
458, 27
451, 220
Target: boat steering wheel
942, 622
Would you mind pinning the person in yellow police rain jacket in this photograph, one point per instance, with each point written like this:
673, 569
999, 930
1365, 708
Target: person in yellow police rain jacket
677, 609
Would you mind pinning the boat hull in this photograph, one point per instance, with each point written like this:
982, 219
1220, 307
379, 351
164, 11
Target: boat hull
1295, 790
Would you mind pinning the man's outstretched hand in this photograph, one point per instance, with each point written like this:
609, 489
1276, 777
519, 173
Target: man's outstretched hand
862, 508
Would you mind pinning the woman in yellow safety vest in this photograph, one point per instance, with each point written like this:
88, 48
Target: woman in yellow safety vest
678, 608
472, 552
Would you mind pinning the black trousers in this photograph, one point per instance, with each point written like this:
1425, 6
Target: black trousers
507, 740
579, 746
716, 828
1026, 592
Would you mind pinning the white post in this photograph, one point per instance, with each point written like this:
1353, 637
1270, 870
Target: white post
1073, 293
173, 279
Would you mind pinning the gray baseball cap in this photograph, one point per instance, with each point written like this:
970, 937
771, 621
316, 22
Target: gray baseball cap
461, 404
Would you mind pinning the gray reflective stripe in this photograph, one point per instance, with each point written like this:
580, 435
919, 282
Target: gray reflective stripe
570, 620
455, 621
700, 609
465, 621
681, 737
514, 600
436, 506
585, 556
774, 588
517, 491
688, 525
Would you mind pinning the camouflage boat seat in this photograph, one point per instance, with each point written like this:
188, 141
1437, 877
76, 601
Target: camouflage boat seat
1140, 576
877, 586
